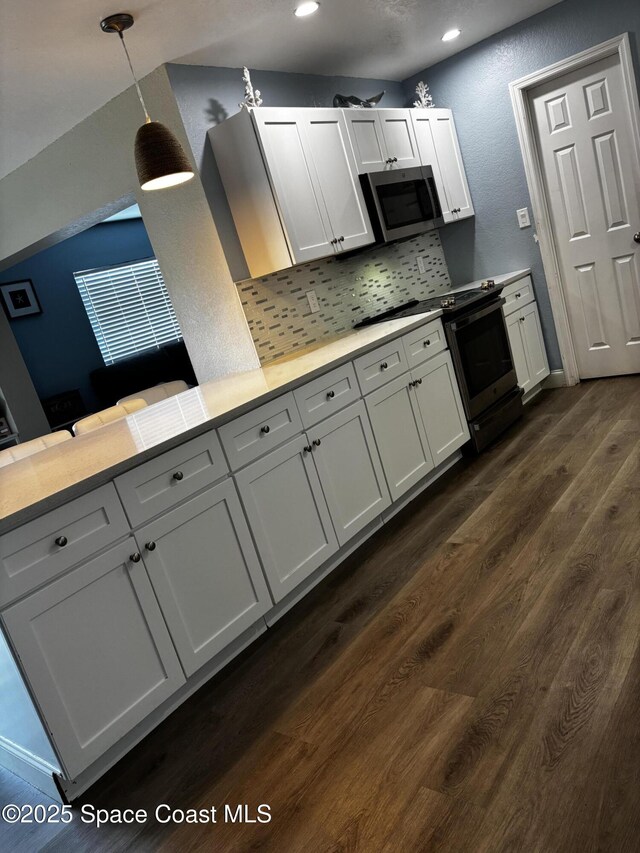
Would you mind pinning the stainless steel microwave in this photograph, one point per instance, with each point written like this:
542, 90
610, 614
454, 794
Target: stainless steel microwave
402, 202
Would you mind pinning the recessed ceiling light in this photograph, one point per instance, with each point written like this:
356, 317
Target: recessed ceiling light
306, 7
450, 35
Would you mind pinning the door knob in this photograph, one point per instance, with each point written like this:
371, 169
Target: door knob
636, 236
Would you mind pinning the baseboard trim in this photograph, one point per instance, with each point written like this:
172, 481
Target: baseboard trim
29, 767
556, 379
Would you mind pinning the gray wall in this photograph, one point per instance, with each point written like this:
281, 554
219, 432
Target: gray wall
475, 85
207, 95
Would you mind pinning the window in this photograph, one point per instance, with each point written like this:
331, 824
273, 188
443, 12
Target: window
129, 308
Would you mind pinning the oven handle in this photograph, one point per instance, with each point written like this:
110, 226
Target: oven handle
454, 325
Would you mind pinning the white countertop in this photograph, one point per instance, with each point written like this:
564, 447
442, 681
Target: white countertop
54, 476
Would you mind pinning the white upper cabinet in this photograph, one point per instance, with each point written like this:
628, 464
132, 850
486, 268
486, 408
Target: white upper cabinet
292, 185
438, 144
382, 139
337, 181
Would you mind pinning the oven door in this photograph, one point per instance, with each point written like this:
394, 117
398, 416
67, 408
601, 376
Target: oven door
482, 357
405, 202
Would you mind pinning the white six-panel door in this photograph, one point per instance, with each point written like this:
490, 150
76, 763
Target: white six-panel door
592, 176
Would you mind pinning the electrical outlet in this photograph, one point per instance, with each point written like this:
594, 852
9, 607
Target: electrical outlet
421, 265
312, 299
523, 217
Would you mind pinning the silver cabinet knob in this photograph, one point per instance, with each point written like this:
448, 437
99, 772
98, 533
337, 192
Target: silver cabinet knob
384, 365
150, 546
265, 429
522, 319
636, 236
178, 476
307, 448
135, 557
61, 541
331, 395
427, 343
316, 442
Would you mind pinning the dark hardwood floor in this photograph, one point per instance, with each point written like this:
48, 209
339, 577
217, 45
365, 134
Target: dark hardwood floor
468, 681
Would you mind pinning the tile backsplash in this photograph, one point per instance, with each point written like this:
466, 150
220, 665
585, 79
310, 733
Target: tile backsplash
278, 312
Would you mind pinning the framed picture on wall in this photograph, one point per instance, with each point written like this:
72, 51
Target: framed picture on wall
19, 298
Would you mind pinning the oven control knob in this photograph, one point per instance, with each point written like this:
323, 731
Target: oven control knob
449, 302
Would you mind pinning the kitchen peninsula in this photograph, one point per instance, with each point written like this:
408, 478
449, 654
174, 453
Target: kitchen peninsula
194, 524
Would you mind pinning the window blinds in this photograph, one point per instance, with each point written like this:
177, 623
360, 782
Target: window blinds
129, 308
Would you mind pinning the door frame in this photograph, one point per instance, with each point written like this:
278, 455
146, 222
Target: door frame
519, 90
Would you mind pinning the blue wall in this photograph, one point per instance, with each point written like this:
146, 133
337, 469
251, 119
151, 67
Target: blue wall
58, 346
475, 85
207, 95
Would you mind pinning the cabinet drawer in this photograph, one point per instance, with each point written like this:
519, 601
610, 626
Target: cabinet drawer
256, 433
327, 394
380, 365
42, 549
161, 483
517, 294
424, 342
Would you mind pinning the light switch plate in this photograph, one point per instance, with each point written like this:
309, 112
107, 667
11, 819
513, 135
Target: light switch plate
421, 267
523, 217
312, 299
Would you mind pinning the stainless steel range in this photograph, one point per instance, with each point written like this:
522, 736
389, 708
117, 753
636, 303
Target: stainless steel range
477, 337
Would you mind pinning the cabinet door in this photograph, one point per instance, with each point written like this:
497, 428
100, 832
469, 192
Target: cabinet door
337, 175
514, 324
534, 344
422, 125
367, 139
440, 406
97, 652
400, 435
449, 157
281, 133
288, 515
350, 472
205, 573
399, 137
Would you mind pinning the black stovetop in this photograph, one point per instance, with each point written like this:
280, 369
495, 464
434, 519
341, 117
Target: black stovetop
450, 304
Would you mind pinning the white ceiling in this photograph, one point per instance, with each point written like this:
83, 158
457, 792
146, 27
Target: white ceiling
57, 67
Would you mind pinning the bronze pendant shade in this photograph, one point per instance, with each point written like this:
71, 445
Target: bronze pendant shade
160, 159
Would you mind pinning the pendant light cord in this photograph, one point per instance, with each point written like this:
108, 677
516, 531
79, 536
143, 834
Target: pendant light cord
135, 79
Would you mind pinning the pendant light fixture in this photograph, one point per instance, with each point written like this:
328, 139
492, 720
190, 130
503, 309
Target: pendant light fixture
160, 159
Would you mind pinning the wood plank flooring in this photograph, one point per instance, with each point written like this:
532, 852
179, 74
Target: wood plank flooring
468, 681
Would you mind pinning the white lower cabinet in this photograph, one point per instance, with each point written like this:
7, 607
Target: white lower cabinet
288, 515
440, 406
205, 573
96, 652
527, 346
350, 472
400, 434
